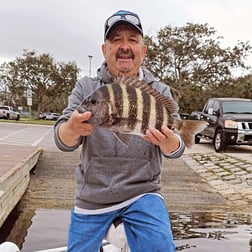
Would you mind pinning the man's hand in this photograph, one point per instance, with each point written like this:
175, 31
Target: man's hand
166, 140
76, 126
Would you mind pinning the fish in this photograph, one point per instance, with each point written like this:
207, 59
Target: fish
129, 106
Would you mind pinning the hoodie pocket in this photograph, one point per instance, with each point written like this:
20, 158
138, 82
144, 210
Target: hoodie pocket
114, 180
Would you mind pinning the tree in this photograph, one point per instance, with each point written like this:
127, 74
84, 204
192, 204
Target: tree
50, 82
190, 58
239, 87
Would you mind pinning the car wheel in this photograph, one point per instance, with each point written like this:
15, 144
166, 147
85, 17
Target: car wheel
219, 144
197, 139
18, 118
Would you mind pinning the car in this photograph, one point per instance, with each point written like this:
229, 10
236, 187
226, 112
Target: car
184, 116
195, 115
24, 113
229, 122
7, 112
42, 116
52, 116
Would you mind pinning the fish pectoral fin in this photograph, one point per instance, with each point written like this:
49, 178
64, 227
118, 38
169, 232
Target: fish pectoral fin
123, 138
115, 120
111, 120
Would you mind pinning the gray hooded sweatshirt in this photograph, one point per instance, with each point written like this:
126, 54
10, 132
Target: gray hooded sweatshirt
109, 172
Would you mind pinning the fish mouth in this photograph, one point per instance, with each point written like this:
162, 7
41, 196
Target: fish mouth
97, 117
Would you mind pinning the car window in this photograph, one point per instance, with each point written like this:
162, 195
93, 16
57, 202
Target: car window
237, 107
208, 106
216, 106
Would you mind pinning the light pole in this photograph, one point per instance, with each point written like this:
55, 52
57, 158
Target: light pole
90, 59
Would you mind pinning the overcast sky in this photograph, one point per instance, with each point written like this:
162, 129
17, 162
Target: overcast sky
70, 30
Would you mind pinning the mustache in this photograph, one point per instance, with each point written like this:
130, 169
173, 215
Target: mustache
122, 52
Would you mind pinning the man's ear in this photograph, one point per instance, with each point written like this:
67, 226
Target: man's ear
103, 49
144, 50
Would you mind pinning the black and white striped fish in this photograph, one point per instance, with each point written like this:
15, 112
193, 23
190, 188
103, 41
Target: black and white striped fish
129, 106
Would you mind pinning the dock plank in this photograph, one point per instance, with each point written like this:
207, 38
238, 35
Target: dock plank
15, 166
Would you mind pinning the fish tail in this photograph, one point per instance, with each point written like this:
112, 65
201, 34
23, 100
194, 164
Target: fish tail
188, 129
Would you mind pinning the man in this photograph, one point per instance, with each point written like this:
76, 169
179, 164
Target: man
113, 180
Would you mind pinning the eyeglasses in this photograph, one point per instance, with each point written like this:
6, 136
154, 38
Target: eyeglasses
127, 17
123, 16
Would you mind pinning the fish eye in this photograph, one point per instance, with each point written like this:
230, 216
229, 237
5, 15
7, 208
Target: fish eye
92, 100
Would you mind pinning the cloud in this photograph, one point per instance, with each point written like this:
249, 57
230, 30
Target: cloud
72, 30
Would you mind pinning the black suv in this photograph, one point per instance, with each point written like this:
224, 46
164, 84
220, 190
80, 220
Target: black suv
229, 122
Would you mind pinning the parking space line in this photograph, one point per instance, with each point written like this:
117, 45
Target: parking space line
12, 134
40, 139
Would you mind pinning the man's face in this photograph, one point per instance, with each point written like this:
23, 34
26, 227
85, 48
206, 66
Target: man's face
124, 51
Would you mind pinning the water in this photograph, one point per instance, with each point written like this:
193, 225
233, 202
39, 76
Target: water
48, 230
208, 232
37, 229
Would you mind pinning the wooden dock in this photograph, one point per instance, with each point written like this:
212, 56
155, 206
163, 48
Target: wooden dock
15, 165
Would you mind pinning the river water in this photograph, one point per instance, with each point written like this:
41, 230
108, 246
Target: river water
38, 229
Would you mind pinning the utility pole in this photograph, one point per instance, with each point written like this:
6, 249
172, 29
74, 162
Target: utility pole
29, 100
90, 59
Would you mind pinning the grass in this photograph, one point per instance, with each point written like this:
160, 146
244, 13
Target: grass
30, 121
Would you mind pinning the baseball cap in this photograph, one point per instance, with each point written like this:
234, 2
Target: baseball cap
125, 17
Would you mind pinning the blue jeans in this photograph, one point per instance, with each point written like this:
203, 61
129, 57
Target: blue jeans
146, 223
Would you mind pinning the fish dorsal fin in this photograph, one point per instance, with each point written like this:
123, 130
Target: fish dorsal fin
167, 102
